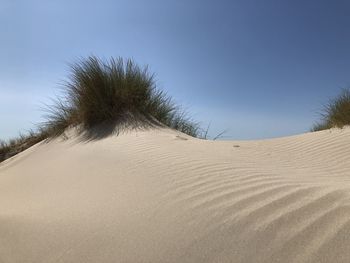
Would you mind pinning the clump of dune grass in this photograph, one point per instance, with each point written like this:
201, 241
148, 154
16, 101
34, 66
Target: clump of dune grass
336, 113
115, 91
16, 145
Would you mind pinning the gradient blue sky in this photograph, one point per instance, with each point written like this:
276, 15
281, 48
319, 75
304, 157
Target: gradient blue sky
257, 68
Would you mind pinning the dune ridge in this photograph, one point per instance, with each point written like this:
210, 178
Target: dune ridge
162, 196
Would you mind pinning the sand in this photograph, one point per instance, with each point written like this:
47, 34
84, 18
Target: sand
162, 196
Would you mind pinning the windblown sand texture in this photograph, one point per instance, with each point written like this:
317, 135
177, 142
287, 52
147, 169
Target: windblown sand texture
161, 196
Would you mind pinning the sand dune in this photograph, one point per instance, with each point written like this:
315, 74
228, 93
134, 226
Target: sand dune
161, 196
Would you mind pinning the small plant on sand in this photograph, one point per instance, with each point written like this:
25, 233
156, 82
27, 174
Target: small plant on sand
116, 92
19, 144
336, 113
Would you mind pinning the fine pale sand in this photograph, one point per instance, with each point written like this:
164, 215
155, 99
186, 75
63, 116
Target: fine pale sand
161, 196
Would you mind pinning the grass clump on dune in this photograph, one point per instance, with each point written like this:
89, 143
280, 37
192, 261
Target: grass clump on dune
336, 113
117, 91
22, 142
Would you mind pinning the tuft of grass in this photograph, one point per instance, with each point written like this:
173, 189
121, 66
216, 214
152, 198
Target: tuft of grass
115, 91
21, 143
336, 113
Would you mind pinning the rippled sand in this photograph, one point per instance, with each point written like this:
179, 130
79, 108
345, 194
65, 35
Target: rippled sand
161, 196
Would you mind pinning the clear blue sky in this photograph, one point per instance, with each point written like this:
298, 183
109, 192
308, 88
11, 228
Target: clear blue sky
257, 68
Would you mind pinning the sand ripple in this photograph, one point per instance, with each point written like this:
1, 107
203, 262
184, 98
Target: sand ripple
161, 196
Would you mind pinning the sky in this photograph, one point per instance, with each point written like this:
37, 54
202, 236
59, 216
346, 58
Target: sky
256, 69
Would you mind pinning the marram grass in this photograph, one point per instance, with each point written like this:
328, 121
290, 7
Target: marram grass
336, 113
115, 92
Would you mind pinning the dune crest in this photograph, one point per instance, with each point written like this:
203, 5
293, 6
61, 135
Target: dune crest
162, 196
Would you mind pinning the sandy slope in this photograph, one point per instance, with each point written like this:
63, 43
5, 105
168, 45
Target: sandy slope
160, 196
